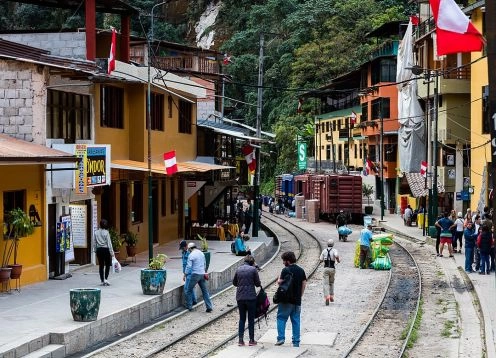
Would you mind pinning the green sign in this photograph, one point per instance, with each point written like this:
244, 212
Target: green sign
302, 155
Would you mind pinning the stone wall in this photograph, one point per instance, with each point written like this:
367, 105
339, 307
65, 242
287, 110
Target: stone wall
65, 44
22, 100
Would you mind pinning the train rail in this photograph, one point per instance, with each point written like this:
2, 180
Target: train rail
390, 327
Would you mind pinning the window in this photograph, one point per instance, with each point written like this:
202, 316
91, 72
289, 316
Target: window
157, 112
327, 126
340, 152
173, 197
391, 152
164, 197
376, 108
383, 71
68, 116
169, 105
13, 200
365, 112
328, 152
185, 116
339, 124
355, 151
486, 126
361, 150
333, 126
112, 107
136, 201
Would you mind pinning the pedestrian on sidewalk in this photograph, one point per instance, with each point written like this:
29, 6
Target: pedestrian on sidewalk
470, 239
102, 245
407, 216
240, 247
195, 267
365, 239
446, 225
478, 230
292, 308
438, 235
484, 242
183, 246
329, 256
248, 216
246, 279
458, 233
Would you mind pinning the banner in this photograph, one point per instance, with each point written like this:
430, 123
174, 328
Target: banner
302, 155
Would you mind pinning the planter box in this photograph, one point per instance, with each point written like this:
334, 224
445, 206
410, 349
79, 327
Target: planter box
153, 281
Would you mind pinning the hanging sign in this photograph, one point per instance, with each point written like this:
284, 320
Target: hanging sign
302, 155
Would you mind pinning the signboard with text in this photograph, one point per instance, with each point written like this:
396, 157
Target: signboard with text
302, 155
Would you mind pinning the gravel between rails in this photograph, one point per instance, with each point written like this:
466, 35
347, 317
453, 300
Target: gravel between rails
394, 314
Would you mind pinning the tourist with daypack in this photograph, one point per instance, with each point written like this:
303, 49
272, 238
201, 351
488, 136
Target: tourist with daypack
246, 279
294, 280
329, 257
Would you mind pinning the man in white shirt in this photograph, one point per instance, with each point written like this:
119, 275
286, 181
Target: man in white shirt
408, 216
195, 269
329, 256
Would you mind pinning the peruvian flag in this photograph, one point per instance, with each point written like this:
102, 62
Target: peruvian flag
111, 59
414, 19
353, 118
369, 166
249, 154
170, 162
423, 168
455, 33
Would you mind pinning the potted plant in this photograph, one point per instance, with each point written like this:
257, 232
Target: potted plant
17, 224
204, 249
116, 241
367, 191
153, 278
131, 240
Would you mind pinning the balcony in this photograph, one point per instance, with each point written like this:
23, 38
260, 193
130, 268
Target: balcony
450, 82
388, 48
425, 28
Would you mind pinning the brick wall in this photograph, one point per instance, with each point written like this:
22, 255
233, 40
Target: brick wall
66, 44
22, 101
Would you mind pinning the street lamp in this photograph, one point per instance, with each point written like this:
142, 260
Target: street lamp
149, 134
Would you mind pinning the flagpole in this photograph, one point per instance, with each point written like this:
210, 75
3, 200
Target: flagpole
491, 62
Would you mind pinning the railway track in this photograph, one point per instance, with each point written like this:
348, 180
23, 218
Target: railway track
197, 334
388, 331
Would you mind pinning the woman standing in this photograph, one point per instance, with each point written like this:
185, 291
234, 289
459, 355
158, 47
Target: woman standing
246, 279
102, 245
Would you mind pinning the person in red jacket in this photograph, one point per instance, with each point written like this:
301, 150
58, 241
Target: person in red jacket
484, 243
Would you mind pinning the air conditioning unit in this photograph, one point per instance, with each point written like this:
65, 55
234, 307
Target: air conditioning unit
444, 134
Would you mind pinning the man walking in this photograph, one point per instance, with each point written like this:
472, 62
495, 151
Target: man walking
365, 239
195, 268
183, 246
329, 256
248, 216
292, 308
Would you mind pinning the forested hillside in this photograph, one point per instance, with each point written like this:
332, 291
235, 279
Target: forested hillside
307, 43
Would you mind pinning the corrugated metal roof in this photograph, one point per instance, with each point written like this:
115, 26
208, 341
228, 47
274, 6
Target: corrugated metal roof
105, 6
17, 151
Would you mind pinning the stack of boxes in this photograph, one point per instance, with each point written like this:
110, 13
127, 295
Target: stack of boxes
312, 210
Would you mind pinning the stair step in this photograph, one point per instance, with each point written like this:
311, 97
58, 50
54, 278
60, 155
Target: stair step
49, 351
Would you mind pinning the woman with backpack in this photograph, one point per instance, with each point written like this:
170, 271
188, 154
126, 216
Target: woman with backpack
246, 279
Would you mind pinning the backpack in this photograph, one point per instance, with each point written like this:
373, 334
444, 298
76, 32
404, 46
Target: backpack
284, 293
233, 247
263, 305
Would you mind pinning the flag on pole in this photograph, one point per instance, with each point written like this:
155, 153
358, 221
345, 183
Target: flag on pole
369, 166
353, 118
454, 31
414, 19
170, 162
423, 168
300, 105
249, 153
227, 59
111, 59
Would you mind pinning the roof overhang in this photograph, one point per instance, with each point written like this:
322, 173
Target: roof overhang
417, 185
159, 168
16, 151
103, 6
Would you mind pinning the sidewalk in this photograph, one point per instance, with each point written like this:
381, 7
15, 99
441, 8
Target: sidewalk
485, 286
40, 316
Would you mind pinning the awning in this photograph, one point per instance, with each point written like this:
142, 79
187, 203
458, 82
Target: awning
417, 185
159, 168
17, 151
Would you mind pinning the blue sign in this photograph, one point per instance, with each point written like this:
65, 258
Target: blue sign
463, 195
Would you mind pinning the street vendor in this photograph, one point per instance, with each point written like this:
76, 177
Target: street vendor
365, 239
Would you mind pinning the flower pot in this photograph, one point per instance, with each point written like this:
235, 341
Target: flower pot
16, 271
5, 273
207, 260
131, 251
85, 303
391, 210
369, 210
153, 281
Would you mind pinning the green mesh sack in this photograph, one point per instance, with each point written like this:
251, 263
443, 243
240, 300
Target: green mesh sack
382, 263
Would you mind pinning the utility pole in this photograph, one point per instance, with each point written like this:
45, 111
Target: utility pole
434, 149
491, 62
381, 113
256, 182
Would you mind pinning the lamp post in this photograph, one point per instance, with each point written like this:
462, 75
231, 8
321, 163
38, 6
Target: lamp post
149, 135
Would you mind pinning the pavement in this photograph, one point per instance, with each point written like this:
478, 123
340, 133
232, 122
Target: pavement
37, 321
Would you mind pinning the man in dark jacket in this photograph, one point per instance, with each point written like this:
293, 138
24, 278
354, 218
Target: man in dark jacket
470, 238
291, 309
484, 242
246, 279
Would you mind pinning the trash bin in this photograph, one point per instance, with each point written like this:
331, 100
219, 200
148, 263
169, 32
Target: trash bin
420, 220
433, 232
367, 220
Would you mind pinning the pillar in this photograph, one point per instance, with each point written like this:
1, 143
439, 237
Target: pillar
90, 23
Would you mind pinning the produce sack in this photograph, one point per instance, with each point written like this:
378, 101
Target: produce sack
382, 263
344, 230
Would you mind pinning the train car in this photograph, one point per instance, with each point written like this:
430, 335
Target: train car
285, 187
302, 185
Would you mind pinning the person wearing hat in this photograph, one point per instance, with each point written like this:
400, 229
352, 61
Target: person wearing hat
329, 256
195, 267
459, 222
183, 246
365, 239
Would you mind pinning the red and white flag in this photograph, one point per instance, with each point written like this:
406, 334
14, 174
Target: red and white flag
249, 153
454, 31
369, 167
170, 162
414, 19
227, 59
353, 118
111, 59
423, 168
